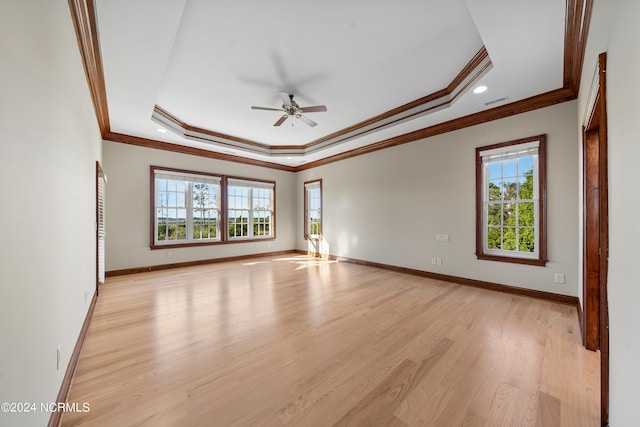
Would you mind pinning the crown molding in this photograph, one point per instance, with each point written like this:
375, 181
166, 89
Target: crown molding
85, 22
176, 148
477, 67
539, 101
194, 133
578, 17
577, 21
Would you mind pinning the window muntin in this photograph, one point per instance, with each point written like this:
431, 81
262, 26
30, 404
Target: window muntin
313, 209
250, 209
511, 201
187, 208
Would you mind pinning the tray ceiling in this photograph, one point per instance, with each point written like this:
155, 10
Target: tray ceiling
195, 67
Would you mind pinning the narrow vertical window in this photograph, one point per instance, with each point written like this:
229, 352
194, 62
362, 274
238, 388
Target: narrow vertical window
510, 201
313, 209
205, 206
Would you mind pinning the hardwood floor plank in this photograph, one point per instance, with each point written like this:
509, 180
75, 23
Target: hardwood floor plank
549, 410
298, 341
377, 407
373, 363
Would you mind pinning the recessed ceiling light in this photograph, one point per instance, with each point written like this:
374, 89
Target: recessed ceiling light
162, 130
289, 158
480, 89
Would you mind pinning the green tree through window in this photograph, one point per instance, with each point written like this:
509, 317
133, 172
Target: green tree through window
511, 225
510, 199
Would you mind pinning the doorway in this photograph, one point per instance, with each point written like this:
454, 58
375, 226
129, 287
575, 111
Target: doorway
595, 313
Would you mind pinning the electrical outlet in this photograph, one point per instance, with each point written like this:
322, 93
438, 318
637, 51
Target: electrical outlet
434, 261
58, 357
439, 261
86, 295
169, 254
559, 278
442, 237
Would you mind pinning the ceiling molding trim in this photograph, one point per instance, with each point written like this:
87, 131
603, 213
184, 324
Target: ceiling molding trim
176, 148
475, 63
477, 67
184, 130
83, 15
193, 129
194, 133
473, 70
533, 103
577, 21
451, 97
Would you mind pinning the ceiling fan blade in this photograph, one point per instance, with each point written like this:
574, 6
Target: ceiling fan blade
281, 120
306, 120
265, 108
314, 109
286, 100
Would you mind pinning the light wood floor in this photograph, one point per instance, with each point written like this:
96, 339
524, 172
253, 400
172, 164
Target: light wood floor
302, 342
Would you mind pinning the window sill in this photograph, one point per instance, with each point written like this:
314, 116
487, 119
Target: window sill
513, 260
210, 243
184, 245
255, 239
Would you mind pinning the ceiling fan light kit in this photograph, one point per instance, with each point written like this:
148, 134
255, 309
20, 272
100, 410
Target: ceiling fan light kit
293, 110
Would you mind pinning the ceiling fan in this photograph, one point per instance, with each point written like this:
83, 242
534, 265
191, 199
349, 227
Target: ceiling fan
292, 109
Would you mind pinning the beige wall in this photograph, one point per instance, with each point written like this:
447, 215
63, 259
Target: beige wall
50, 143
127, 202
615, 29
389, 205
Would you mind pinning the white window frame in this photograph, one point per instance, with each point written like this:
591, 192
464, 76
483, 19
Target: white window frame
188, 179
251, 186
536, 148
309, 188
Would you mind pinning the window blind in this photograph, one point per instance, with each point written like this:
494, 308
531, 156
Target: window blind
511, 152
251, 184
180, 176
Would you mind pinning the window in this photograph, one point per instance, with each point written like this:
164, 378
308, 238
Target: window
313, 209
250, 209
510, 201
187, 209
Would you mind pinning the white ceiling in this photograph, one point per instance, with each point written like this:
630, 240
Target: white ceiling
206, 62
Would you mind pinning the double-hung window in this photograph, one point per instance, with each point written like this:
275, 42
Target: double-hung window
510, 201
186, 206
196, 208
313, 209
250, 209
